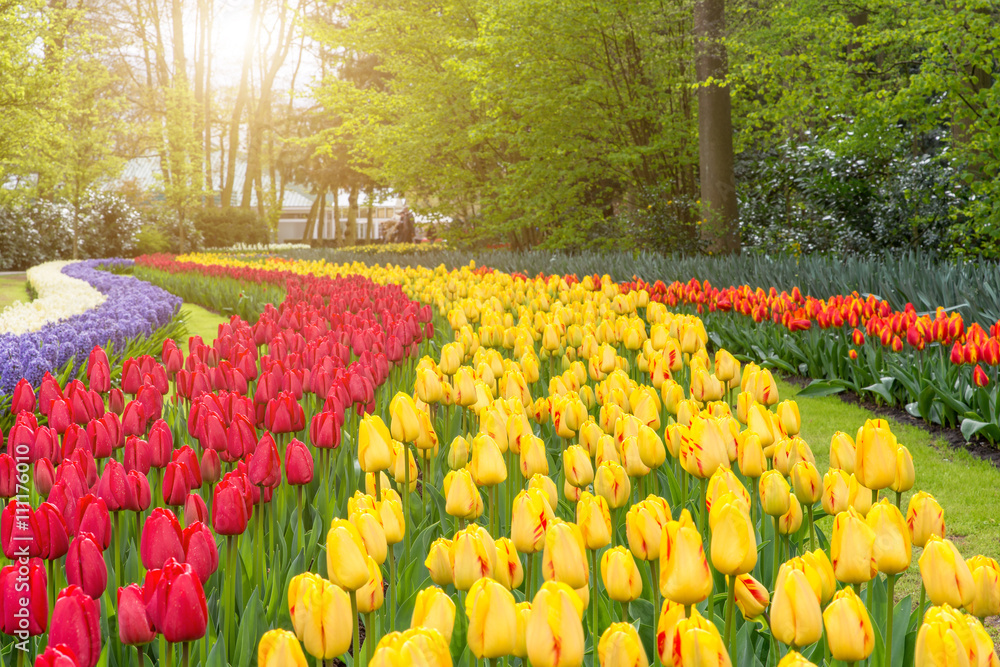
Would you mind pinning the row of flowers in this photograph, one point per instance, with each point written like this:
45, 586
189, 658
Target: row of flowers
128, 309
59, 297
145, 475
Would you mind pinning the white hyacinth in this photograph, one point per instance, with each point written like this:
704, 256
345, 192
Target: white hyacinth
59, 297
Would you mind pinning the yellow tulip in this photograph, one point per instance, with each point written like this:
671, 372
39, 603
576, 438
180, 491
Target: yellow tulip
836, 492
744, 401
458, 453
612, 484
390, 512
946, 575
842, 452
925, 517
280, 648
509, 570
875, 460
775, 493
488, 466
374, 444
565, 555
523, 614
727, 368
905, 475
464, 387
859, 497
594, 519
722, 482
404, 425
433, 608
796, 619
750, 455
986, 577
346, 556
620, 646
849, 632
760, 421
533, 458
492, 619
631, 459
684, 573
317, 611
554, 633
790, 522
820, 562
986, 655
644, 524
461, 495
945, 640
428, 386
697, 643
734, 541
440, 562
892, 538
788, 415
852, 548
806, 483
372, 533
751, 596
401, 457
621, 577
371, 596
671, 614
577, 465
545, 484
530, 519
475, 556
707, 451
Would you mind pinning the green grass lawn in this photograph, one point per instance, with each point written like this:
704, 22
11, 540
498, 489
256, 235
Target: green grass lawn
13, 287
200, 322
968, 488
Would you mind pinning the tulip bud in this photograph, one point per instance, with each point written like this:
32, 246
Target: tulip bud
924, 517
594, 519
751, 596
794, 659
432, 608
852, 548
578, 467
440, 562
875, 460
842, 452
371, 596
905, 475
620, 646
788, 415
892, 538
621, 577
734, 541
612, 483
488, 466
775, 493
135, 628
492, 619
806, 482
836, 492
530, 519
564, 557
280, 648
509, 570
374, 448
346, 556
684, 573
751, 457
986, 578
697, 642
849, 631
945, 639
475, 556
161, 539
790, 522
76, 624
554, 632
946, 575
795, 612
644, 524
372, 534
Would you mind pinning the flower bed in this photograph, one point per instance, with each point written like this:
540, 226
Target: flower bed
130, 309
59, 296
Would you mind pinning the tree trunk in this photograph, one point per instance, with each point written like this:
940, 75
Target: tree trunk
241, 100
370, 194
336, 213
351, 233
311, 218
719, 230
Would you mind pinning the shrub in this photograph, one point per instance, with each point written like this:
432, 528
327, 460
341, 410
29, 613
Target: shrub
109, 226
225, 227
20, 244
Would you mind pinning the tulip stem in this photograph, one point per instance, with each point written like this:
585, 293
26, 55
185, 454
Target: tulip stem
625, 611
528, 580
899, 498
406, 496
52, 584
357, 631
369, 637
230, 587
116, 538
654, 575
185, 653
703, 517
259, 540
812, 530
298, 509
168, 655
889, 600
923, 599
392, 587
730, 603
593, 606
777, 556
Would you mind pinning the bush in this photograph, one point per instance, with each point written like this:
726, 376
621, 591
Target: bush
151, 241
225, 227
20, 244
109, 227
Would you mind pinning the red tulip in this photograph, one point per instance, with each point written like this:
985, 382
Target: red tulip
53, 535
87, 464
60, 415
75, 623
56, 656
195, 509
161, 539
8, 476
76, 438
24, 599
71, 475
116, 401
19, 531
172, 357
229, 508
100, 439
114, 488
324, 430
957, 353
134, 419
211, 431
114, 425
265, 464
45, 476
176, 483
135, 628
140, 497
190, 460
284, 414
23, 398
979, 377
298, 463
131, 376
48, 391
241, 438
210, 466
92, 517
161, 443
47, 445
99, 370
177, 605
85, 565
200, 551
138, 455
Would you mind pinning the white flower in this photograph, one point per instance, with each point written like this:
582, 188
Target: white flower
59, 297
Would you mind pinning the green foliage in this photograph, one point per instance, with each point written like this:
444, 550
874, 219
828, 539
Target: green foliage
227, 296
225, 227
